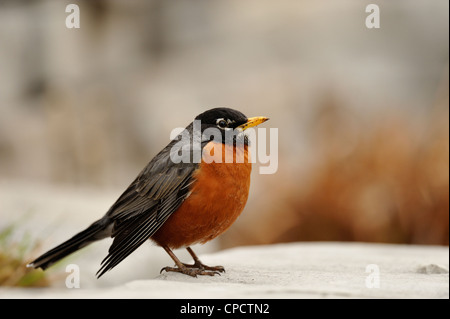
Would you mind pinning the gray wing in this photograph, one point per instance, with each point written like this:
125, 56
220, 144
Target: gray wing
142, 209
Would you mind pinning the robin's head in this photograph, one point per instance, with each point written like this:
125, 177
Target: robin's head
227, 120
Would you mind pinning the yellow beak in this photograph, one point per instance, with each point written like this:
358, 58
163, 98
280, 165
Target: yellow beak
253, 121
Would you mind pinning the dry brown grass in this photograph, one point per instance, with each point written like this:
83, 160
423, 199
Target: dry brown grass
386, 181
14, 256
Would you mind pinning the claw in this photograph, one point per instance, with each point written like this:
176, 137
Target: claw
201, 266
198, 268
193, 272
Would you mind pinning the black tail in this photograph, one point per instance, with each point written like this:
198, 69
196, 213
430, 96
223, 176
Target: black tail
96, 231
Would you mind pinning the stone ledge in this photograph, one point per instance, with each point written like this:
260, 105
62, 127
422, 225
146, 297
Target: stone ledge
296, 270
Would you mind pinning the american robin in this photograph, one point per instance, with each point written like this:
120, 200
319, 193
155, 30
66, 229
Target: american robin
177, 203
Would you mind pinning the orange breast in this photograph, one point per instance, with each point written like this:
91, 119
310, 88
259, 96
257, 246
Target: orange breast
217, 198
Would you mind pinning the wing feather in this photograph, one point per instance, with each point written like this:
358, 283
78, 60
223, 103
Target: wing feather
142, 209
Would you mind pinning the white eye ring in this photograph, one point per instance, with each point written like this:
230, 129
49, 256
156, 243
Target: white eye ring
221, 123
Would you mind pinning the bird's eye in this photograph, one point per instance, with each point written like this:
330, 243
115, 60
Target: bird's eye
222, 123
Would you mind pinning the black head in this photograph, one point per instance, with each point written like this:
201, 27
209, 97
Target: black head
222, 118
219, 124
227, 124
223, 121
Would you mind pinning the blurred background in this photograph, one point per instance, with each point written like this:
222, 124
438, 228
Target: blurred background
362, 113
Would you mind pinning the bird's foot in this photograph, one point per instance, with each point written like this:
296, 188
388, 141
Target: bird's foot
197, 268
201, 266
192, 271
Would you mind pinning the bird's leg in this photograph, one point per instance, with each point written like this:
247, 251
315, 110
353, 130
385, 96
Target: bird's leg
182, 268
198, 264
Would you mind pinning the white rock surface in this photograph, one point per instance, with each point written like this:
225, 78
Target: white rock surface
297, 270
